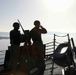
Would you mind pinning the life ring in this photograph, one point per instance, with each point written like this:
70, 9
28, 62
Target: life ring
61, 58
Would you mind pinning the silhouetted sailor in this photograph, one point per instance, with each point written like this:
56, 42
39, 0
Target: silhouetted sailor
38, 48
36, 32
15, 35
15, 43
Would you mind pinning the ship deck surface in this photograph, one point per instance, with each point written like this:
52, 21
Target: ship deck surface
56, 71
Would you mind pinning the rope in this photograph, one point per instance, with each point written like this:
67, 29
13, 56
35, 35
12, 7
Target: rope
49, 43
60, 36
50, 48
49, 52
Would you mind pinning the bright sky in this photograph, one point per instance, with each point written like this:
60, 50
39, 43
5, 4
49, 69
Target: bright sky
55, 15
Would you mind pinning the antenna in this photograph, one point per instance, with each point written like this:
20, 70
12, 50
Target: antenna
20, 25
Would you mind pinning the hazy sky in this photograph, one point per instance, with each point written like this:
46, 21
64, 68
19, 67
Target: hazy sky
55, 15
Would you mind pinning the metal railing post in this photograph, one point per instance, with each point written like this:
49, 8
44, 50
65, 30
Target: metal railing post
52, 60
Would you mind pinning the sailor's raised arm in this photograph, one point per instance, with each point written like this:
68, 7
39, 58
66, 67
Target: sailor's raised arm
43, 30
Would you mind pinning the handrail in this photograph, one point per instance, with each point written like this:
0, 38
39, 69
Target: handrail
2, 54
49, 43
60, 36
50, 48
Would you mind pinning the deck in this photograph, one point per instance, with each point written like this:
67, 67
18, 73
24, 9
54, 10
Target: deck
57, 69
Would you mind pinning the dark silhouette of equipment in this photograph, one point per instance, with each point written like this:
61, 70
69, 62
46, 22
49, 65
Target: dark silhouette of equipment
65, 59
61, 59
25, 36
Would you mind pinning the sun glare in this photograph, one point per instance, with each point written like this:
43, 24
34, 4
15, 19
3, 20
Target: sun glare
58, 5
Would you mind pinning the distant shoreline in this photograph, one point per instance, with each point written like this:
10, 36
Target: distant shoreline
4, 37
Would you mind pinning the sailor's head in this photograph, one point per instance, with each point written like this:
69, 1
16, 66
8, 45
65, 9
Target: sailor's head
16, 25
37, 23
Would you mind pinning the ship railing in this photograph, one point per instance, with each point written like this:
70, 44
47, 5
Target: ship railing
2, 57
56, 43
51, 46
48, 50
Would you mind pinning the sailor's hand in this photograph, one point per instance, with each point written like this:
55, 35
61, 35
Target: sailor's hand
41, 26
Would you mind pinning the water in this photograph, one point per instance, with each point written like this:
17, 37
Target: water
4, 43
